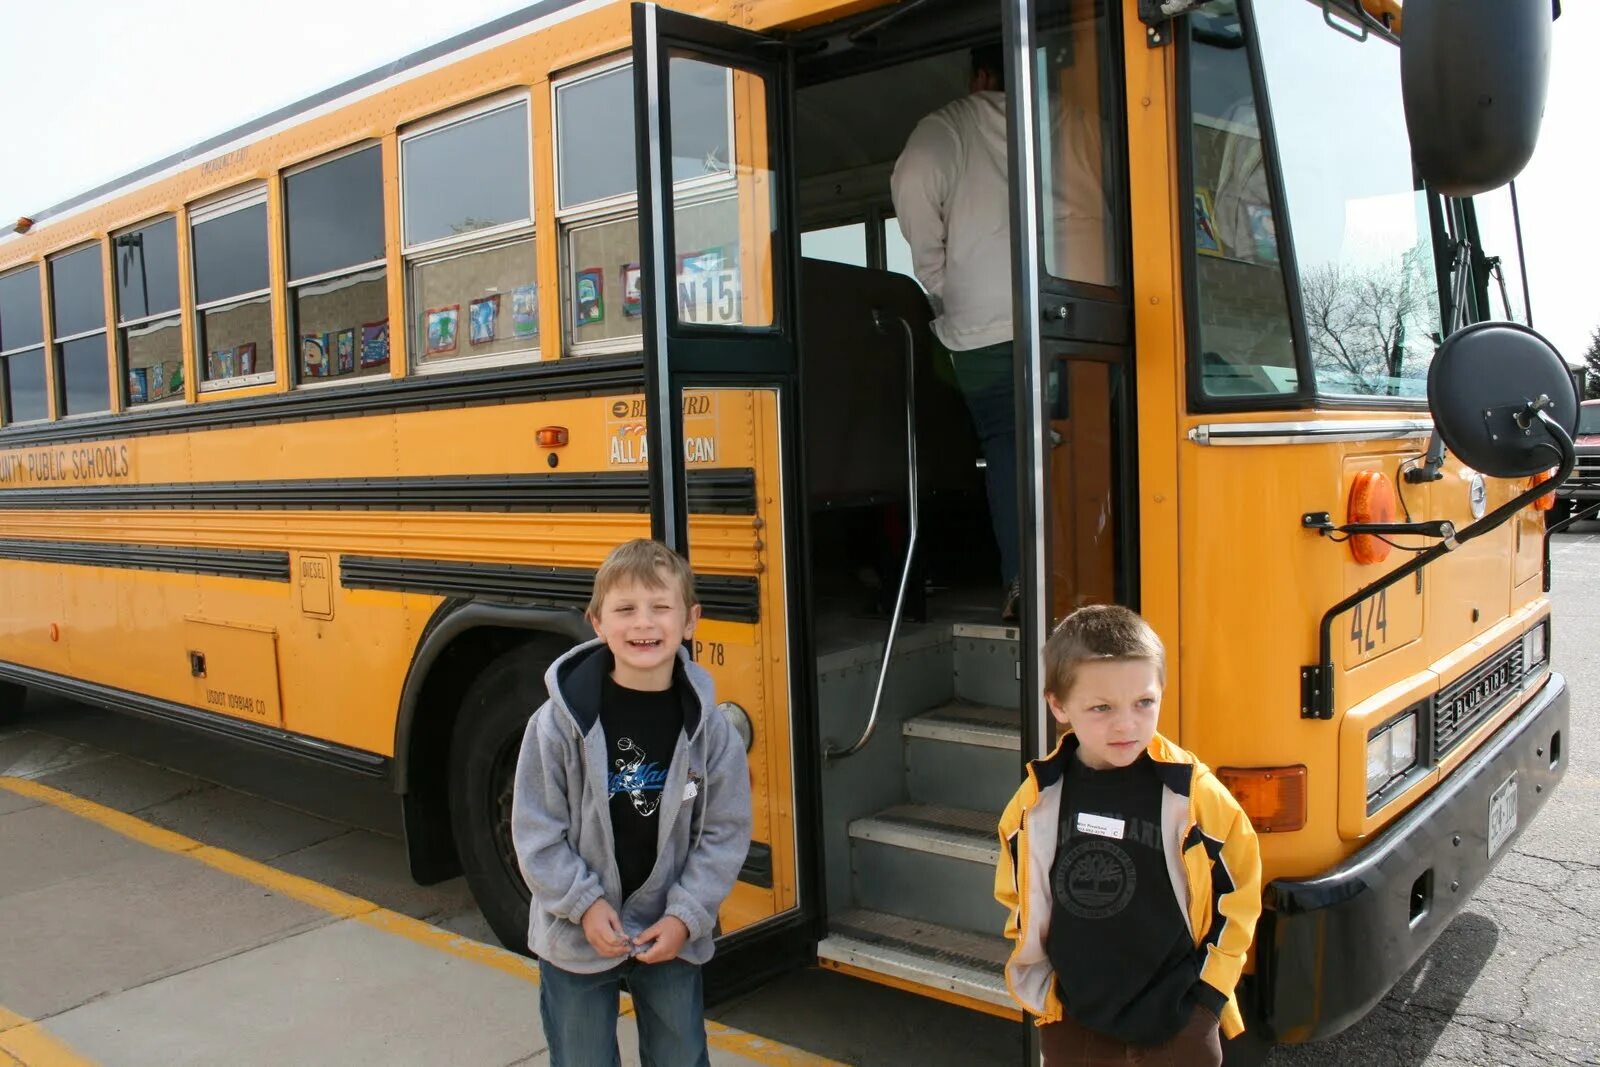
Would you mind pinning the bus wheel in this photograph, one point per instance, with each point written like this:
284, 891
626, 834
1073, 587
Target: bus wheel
12, 697
483, 763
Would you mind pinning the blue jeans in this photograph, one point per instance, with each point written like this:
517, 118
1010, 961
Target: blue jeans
579, 1012
985, 377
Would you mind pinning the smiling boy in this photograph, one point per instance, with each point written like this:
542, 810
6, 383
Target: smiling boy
1130, 875
631, 819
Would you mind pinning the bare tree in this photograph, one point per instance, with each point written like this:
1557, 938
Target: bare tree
1370, 325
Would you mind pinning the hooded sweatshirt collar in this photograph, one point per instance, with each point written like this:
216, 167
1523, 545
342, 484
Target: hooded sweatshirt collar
576, 679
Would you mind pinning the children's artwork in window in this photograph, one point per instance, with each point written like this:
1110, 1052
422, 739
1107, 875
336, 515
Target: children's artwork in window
138, 385
343, 356
246, 357
441, 329
314, 355
482, 315
1205, 225
588, 295
375, 344
632, 299
525, 311
1263, 232
221, 363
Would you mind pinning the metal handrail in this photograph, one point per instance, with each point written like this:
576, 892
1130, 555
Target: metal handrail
880, 320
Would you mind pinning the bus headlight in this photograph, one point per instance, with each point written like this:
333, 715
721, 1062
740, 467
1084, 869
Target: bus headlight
1391, 752
1534, 649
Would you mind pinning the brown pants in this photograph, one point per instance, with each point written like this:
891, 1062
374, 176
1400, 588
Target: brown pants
1198, 1044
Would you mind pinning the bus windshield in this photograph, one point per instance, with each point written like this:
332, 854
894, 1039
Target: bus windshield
1361, 232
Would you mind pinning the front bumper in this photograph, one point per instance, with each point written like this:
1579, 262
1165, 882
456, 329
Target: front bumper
1331, 947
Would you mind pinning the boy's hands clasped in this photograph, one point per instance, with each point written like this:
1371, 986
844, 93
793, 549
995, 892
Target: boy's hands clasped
658, 944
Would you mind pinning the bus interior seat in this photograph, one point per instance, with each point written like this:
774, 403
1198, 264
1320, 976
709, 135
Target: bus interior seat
855, 387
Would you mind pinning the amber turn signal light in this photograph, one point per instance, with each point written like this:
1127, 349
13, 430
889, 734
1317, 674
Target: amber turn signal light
1371, 500
551, 436
1548, 501
1273, 797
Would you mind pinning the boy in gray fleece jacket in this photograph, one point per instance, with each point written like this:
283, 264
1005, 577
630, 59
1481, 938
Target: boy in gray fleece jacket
631, 819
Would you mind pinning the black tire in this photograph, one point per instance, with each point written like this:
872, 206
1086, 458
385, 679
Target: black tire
483, 760
12, 697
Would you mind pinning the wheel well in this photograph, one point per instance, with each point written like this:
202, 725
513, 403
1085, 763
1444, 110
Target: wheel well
430, 842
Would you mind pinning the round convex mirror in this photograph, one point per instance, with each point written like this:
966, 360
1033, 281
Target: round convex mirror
1481, 386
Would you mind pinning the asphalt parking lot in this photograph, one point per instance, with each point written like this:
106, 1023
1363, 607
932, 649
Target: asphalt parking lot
311, 944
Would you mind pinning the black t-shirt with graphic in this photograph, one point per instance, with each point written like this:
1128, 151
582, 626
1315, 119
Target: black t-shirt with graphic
641, 730
1118, 942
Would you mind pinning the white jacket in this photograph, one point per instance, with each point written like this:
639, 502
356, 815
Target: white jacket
952, 196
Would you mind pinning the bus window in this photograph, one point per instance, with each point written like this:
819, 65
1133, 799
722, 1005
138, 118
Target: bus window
838, 244
338, 284
896, 252
1497, 237
1079, 237
1363, 242
1244, 343
233, 299
78, 323
596, 193
144, 269
468, 208
22, 347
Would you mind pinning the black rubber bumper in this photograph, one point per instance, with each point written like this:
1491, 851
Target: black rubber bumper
1330, 947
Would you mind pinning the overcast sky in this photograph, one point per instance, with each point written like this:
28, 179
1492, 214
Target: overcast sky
97, 88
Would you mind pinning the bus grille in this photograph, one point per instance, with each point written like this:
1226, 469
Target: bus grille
1468, 701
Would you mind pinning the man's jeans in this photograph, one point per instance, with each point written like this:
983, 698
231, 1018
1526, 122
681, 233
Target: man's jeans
579, 1012
985, 375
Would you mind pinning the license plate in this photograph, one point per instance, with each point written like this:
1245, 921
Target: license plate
1502, 814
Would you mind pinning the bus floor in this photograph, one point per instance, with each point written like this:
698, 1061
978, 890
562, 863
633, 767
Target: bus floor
168, 898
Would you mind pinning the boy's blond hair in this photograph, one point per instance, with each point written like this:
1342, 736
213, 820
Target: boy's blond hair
1099, 632
650, 564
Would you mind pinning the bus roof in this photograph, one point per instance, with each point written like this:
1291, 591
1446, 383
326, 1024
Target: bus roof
505, 24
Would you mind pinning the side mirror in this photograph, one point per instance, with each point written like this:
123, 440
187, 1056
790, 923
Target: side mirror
1486, 386
1474, 74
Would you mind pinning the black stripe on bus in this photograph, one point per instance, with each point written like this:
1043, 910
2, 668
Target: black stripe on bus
723, 492
227, 562
350, 759
727, 597
526, 383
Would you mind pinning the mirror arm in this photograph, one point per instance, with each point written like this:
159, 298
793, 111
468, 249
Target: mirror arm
1316, 681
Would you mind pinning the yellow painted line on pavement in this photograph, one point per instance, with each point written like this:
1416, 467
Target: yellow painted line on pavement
25, 1042
345, 906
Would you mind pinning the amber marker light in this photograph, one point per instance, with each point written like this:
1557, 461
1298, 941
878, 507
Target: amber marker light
551, 436
1372, 499
1548, 501
1273, 797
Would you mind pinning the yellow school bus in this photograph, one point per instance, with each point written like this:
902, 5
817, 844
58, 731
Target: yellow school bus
314, 434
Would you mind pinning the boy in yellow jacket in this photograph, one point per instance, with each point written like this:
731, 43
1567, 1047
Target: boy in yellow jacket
1130, 875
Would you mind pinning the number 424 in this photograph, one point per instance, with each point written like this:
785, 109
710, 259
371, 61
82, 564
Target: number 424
1369, 623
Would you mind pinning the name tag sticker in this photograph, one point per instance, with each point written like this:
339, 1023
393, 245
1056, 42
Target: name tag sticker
1100, 825
692, 790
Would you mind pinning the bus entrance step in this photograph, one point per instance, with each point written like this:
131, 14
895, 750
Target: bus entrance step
963, 756
986, 665
925, 954
928, 863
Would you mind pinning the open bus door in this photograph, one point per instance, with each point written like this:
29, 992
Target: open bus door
715, 288
1073, 330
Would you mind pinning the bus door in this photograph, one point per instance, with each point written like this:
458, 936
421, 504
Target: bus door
716, 296
1073, 321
